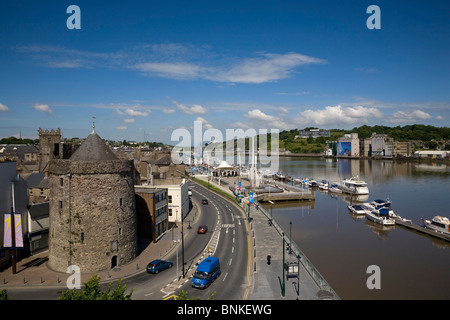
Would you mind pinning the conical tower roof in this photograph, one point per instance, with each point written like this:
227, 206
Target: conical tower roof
93, 149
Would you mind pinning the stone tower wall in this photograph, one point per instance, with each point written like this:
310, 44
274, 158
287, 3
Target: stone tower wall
48, 139
102, 214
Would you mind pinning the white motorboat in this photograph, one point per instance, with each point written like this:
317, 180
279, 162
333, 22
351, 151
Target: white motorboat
354, 186
380, 216
357, 209
334, 188
385, 204
379, 204
312, 183
323, 185
439, 224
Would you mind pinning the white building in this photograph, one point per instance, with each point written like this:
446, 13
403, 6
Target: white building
433, 154
177, 201
348, 145
382, 145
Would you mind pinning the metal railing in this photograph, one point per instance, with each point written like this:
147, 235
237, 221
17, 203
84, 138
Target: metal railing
318, 278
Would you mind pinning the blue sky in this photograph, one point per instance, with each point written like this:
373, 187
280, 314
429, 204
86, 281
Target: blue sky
146, 68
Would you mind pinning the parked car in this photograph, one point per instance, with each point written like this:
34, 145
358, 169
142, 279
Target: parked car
158, 265
202, 229
204, 201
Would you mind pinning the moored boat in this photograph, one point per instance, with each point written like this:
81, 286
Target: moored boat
439, 224
323, 185
357, 209
354, 186
334, 188
380, 216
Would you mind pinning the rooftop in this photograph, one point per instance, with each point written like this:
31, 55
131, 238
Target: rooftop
93, 149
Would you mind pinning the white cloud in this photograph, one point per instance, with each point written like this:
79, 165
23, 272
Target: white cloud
135, 113
175, 61
170, 70
43, 108
121, 128
408, 117
338, 115
268, 67
205, 124
258, 115
3, 107
195, 109
261, 120
131, 120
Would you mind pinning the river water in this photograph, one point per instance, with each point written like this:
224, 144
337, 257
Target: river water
342, 246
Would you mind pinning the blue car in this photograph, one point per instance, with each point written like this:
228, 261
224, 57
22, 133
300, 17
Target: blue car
158, 265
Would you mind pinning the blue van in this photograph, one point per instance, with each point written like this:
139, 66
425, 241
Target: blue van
207, 271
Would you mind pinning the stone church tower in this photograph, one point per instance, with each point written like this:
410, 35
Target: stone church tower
92, 209
49, 141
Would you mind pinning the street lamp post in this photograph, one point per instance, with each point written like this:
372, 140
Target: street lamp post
290, 237
271, 214
182, 241
283, 288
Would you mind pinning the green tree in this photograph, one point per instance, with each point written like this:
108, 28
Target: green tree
4, 295
92, 291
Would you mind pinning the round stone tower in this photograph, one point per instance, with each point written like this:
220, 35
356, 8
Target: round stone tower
92, 209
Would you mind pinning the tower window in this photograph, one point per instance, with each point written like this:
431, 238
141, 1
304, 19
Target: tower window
61, 182
121, 201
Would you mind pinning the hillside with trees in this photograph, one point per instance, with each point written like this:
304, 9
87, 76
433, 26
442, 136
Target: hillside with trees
423, 136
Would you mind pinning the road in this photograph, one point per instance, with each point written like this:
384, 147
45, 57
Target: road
226, 239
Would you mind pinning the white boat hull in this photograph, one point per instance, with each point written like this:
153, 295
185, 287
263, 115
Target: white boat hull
358, 211
429, 226
383, 220
354, 186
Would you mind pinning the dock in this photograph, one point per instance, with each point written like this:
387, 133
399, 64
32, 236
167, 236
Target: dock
285, 196
415, 227
289, 193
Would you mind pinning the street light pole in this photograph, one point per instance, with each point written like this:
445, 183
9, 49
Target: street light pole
283, 288
13, 232
290, 237
182, 241
271, 214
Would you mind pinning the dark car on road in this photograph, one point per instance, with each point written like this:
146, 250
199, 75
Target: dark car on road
202, 229
204, 201
158, 265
